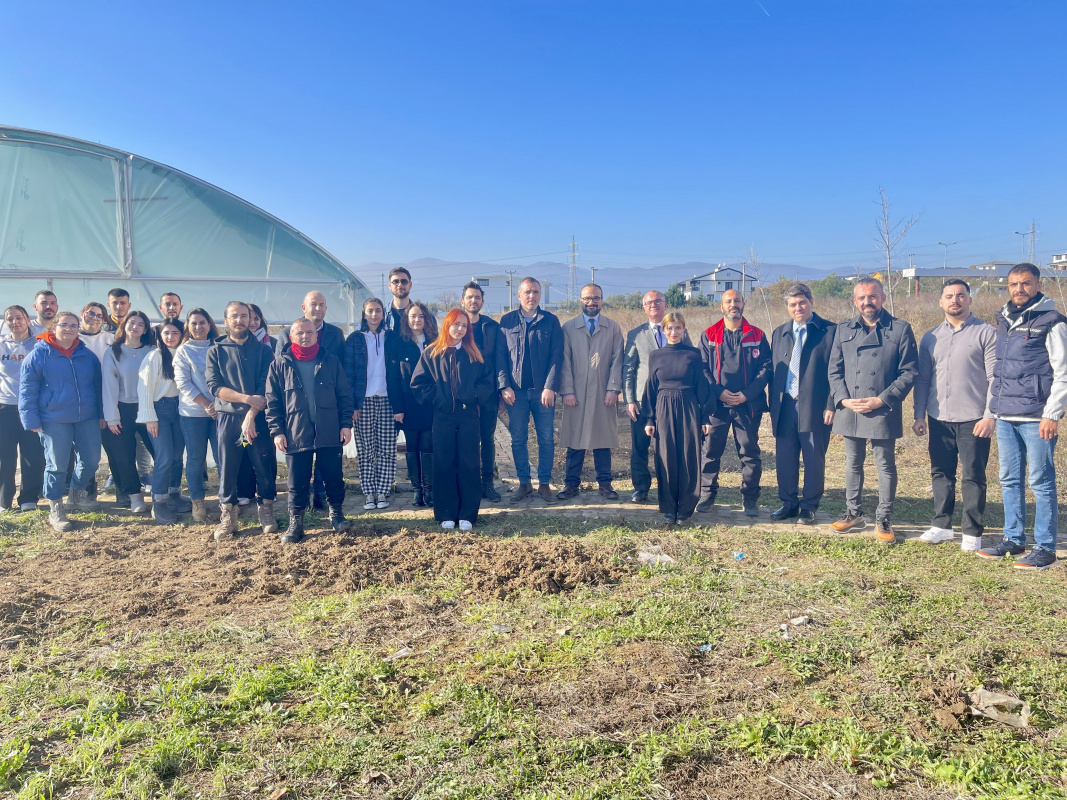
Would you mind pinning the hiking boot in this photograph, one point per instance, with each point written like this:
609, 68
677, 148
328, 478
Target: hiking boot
1005, 547
318, 501
1038, 558
337, 520
57, 517
79, 500
295, 532
750, 508
199, 512
180, 503
227, 526
851, 522
707, 502
490, 493
608, 492
137, 503
884, 531
162, 511
523, 491
545, 491
266, 517
566, 493
935, 535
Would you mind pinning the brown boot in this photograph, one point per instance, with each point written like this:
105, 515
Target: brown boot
199, 512
545, 491
523, 491
884, 531
849, 523
266, 517
227, 526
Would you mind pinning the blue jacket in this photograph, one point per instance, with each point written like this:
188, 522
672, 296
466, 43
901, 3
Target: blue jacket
54, 388
1030, 376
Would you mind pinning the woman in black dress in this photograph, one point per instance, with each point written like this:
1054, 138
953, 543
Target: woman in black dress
454, 379
677, 407
418, 329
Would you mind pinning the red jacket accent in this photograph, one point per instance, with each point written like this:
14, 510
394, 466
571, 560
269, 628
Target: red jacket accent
749, 334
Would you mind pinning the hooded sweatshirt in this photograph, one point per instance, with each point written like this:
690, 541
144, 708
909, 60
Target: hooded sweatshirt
12, 353
190, 365
120, 379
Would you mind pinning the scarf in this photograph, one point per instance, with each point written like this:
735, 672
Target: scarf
304, 353
1014, 311
262, 334
50, 337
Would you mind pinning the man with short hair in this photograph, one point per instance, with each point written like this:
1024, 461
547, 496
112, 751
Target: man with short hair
592, 381
641, 342
535, 357
739, 360
1028, 399
170, 305
309, 413
872, 368
236, 373
400, 286
46, 305
329, 337
490, 341
801, 407
956, 363
118, 306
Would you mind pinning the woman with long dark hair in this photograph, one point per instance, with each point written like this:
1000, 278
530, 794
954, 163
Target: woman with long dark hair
18, 446
373, 418
418, 329
122, 363
196, 406
157, 409
454, 379
257, 326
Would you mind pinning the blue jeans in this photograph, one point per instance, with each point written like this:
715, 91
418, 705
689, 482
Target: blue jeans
527, 404
1020, 447
169, 447
198, 432
58, 438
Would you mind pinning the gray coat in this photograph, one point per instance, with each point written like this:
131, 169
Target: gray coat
640, 344
882, 363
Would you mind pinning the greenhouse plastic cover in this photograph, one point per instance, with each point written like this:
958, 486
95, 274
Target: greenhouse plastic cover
81, 219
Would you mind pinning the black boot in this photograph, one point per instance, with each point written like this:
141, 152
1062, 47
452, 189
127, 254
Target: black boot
415, 473
427, 478
337, 519
296, 528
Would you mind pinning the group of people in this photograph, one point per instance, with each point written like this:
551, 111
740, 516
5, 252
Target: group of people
72, 383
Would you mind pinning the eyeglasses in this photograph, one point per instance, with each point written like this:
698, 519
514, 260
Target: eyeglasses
591, 299
399, 282
654, 303
93, 315
65, 327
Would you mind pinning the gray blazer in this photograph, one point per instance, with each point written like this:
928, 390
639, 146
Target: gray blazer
882, 363
639, 345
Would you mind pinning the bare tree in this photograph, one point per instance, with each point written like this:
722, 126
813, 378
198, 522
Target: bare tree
448, 300
752, 265
890, 237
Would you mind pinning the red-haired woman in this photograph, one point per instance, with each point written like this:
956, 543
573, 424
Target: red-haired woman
453, 377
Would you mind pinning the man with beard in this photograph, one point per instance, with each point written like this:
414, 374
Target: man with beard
118, 306
1028, 399
170, 305
872, 368
46, 305
592, 381
739, 359
400, 286
956, 362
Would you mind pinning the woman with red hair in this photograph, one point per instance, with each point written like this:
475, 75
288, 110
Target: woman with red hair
454, 379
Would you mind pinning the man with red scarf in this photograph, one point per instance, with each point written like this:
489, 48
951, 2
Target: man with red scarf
737, 354
309, 413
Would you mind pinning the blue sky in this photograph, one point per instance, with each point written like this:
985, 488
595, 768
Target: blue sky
653, 132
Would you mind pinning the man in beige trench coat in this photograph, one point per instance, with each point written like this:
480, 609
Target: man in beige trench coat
592, 380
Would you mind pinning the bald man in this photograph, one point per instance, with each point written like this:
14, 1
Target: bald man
330, 337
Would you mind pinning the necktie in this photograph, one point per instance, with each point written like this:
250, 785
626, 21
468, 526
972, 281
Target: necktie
592, 325
659, 336
794, 364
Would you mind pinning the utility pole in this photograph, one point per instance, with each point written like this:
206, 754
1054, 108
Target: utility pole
548, 292
511, 293
1032, 233
592, 274
946, 245
383, 287
572, 279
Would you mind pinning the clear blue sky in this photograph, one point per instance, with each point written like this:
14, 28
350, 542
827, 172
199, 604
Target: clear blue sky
654, 132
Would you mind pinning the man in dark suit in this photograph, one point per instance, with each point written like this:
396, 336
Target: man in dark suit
801, 408
640, 343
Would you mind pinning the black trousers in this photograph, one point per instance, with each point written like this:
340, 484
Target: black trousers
746, 437
792, 445
419, 444
953, 444
327, 462
641, 442
22, 448
457, 489
487, 429
121, 449
260, 453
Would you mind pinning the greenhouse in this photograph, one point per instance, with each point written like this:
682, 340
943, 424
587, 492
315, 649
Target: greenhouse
80, 219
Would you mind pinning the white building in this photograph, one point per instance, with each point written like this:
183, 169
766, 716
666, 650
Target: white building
497, 291
1058, 262
721, 279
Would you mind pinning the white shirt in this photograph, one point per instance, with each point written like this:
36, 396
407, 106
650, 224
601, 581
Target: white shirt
376, 386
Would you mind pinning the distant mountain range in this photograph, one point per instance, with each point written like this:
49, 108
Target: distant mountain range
431, 276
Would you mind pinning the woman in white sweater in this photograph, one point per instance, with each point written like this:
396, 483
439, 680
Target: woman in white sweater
157, 408
196, 406
122, 361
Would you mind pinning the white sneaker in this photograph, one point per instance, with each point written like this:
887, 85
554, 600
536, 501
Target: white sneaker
448, 524
383, 503
465, 525
371, 504
28, 507
937, 536
970, 544
137, 503
243, 501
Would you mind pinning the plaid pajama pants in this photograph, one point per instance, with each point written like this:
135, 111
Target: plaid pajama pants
376, 447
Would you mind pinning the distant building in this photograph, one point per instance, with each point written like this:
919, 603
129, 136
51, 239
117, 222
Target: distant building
500, 294
993, 274
1058, 262
721, 279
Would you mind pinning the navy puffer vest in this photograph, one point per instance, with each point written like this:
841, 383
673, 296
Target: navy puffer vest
1022, 377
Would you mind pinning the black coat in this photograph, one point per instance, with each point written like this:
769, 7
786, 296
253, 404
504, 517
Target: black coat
431, 385
490, 340
354, 360
241, 367
814, 396
401, 358
288, 413
545, 351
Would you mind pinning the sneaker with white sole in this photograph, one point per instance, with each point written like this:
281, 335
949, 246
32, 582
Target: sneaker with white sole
970, 544
370, 504
464, 525
935, 535
1037, 559
448, 524
382, 503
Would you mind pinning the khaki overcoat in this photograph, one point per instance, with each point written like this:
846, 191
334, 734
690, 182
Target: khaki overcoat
592, 366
